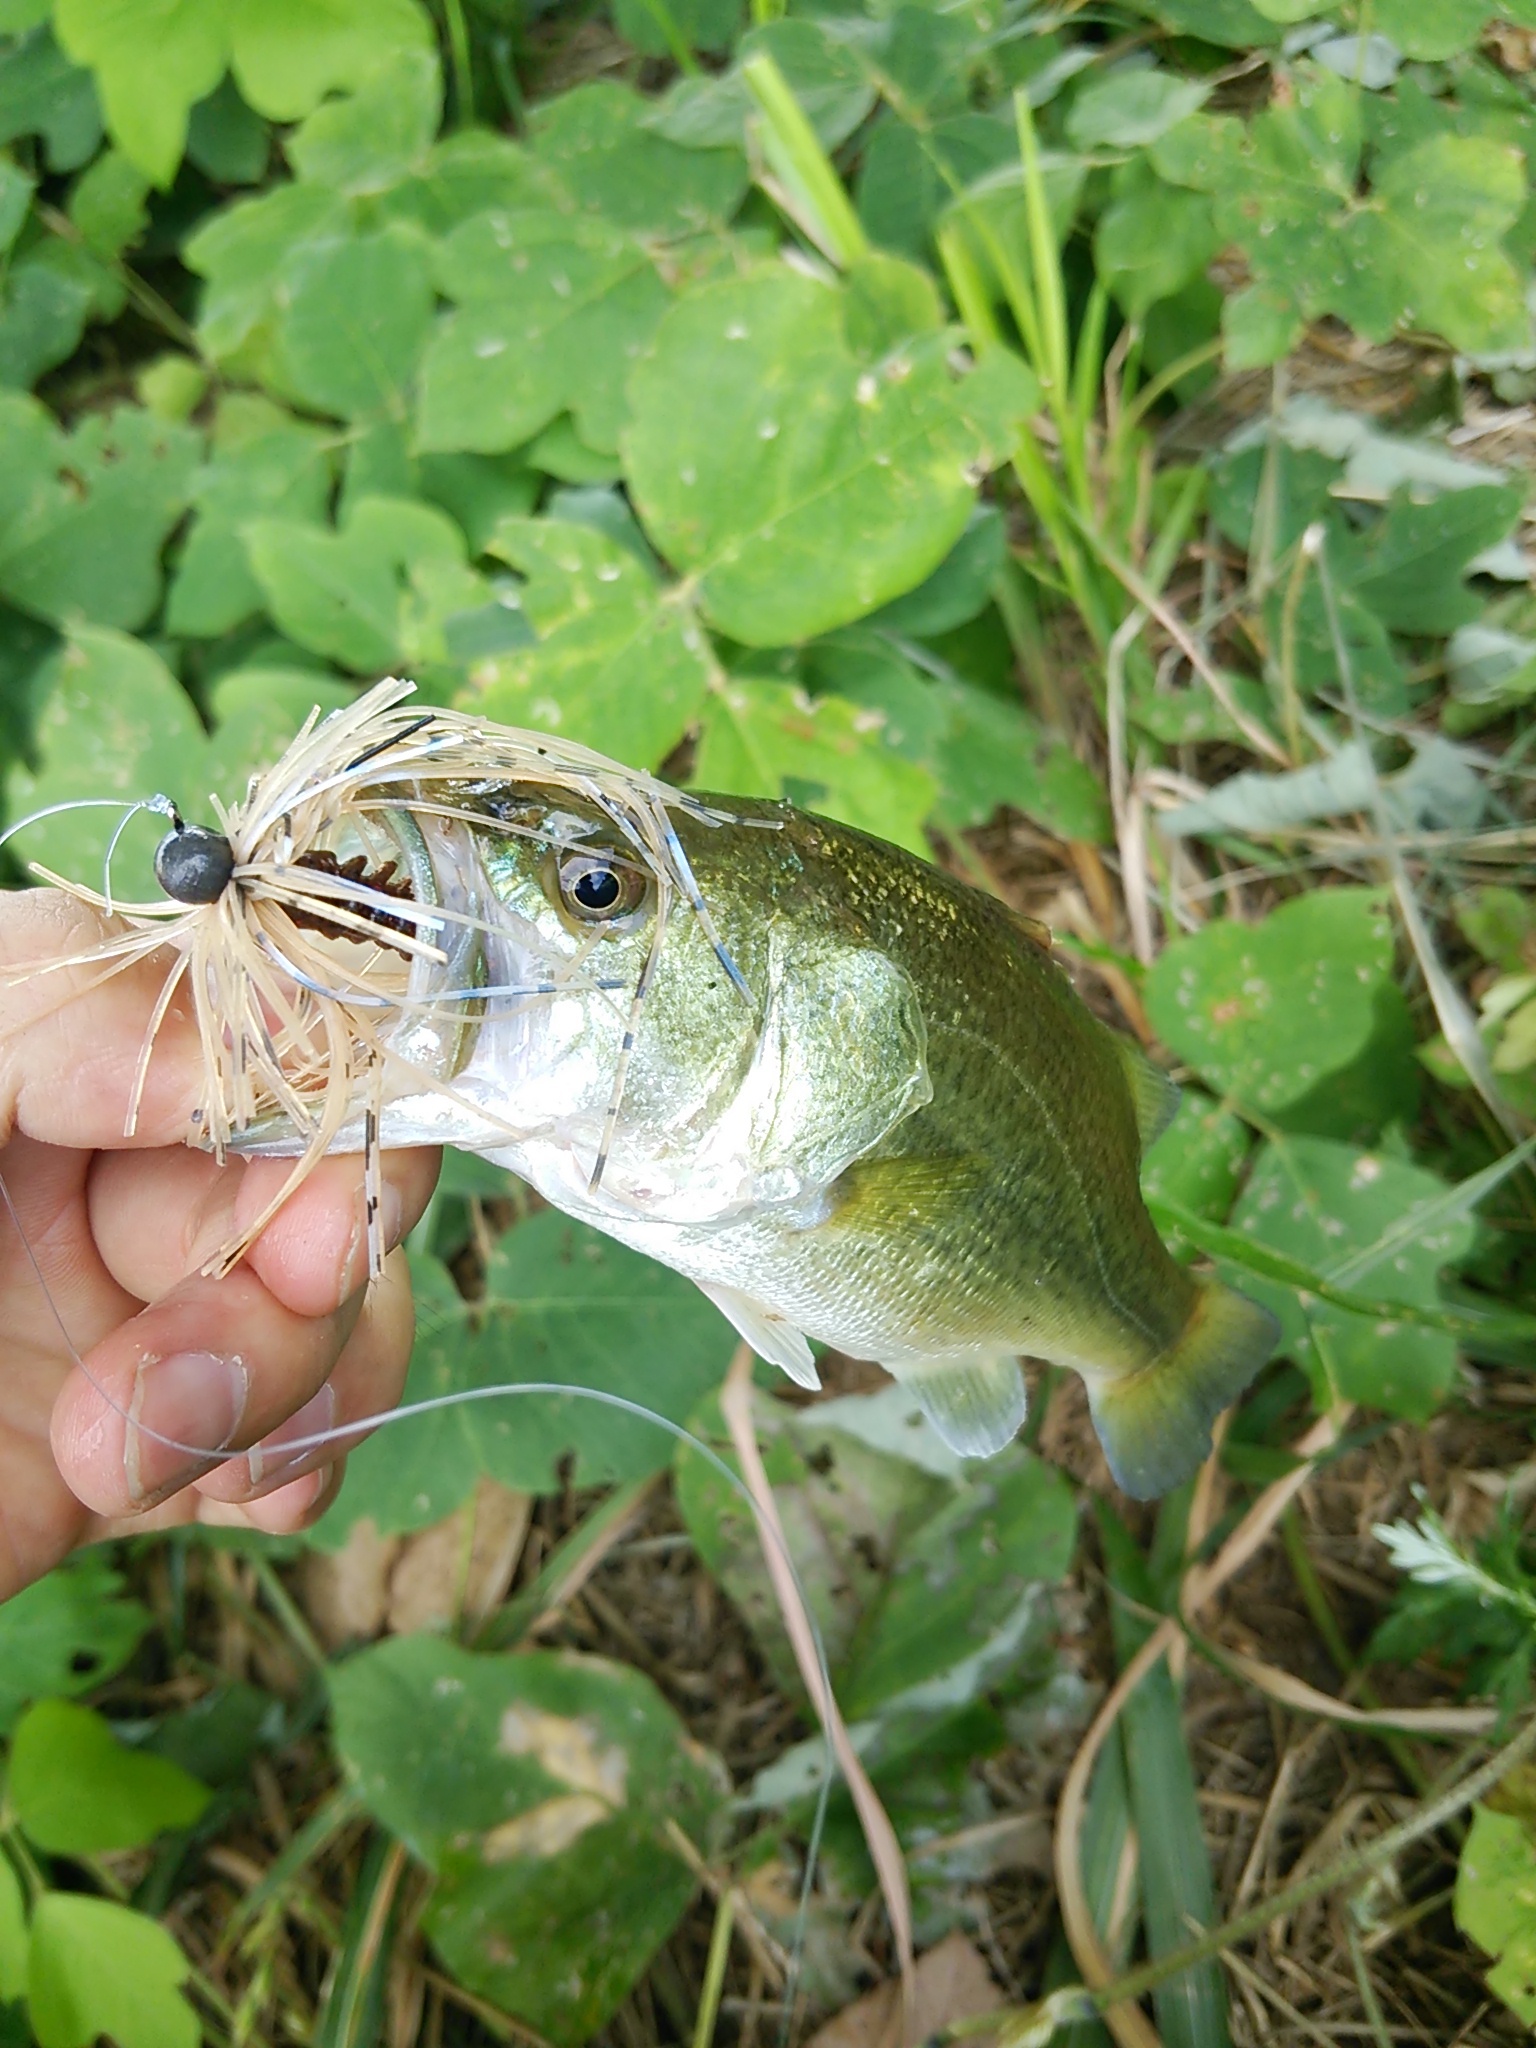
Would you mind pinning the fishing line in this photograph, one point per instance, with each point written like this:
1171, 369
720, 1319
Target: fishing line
437, 1404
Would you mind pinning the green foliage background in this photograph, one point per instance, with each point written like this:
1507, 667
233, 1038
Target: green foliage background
780, 396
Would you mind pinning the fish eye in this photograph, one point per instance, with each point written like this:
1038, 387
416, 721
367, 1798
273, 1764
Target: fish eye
598, 889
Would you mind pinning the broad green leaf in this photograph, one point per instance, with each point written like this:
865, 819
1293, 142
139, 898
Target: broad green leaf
16, 190
701, 24
288, 54
552, 312
1198, 1159
1496, 1904
1408, 567
762, 738
1431, 30
354, 322
65, 1633
372, 595
465, 174
479, 491
1422, 249
1501, 923
13, 1934
226, 140
908, 176
246, 252
1131, 106
78, 1791
96, 1968
108, 204
377, 135
562, 1304
42, 93
799, 486
114, 723
620, 663
959, 587
830, 84
1326, 1205
44, 306
256, 712
1263, 1012
539, 1787
596, 145
151, 59
83, 516
1152, 238
262, 461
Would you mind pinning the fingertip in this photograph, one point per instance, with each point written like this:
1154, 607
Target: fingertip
314, 1253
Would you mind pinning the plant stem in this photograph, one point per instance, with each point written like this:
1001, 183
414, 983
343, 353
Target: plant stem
714, 1969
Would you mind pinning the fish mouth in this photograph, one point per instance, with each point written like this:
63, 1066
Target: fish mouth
434, 964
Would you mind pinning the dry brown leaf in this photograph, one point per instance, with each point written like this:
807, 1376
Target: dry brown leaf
345, 1592
951, 1982
461, 1567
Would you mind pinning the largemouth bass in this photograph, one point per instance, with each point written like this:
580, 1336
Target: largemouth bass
857, 1101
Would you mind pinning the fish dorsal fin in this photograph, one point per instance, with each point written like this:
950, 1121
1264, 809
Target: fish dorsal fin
975, 1400
770, 1336
1154, 1096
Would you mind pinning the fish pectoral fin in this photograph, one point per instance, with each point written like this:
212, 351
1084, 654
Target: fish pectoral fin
770, 1336
1155, 1424
975, 1399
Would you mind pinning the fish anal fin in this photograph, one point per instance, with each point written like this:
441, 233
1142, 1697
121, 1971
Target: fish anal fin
1154, 1096
975, 1400
1155, 1423
770, 1335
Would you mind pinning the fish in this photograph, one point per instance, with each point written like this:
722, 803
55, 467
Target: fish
853, 1099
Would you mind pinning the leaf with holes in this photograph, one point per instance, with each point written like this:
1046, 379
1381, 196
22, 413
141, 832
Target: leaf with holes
542, 1789
66, 1633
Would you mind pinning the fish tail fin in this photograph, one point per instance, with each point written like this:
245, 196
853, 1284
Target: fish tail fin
1155, 1424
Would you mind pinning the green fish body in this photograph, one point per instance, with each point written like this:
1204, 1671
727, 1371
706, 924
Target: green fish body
893, 1127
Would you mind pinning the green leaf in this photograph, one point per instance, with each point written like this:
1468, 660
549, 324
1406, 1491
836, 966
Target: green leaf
1501, 923
762, 738
539, 1787
1327, 1206
799, 486
114, 723
98, 1968
226, 140
42, 93
152, 59
1421, 249
44, 306
262, 461
377, 135
908, 176
1409, 565
552, 313
1131, 106
288, 54
256, 712
247, 251
1496, 1904
620, 663
595, 143
78, 1791
355, 321
562, 1304
83, 517
702, 24
829, 82
479, 491
108, 204
13, 1934
370, 595
1264, 1012
1198, 1159
1434, 31
1152, 239
65, 1633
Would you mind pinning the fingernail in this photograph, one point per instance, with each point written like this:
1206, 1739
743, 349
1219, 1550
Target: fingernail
183, 1412
274, 1460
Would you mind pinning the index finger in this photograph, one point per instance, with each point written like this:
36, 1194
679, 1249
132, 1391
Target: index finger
72, 1036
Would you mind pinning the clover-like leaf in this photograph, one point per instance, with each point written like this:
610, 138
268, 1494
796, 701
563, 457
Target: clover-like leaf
288, 54
562, 1304
598, 152
1264, 1012
77, 1790
354, 321
368, 141
542, 1788
799, 485
245, 252
151, 61
1385, 1227
95, 1968
764, 738
43, 93
262, 461
65, 1633
1496, 1904
83, 516
620, 663
552, 312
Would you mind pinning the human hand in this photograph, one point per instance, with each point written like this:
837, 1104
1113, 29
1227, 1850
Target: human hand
291, 1343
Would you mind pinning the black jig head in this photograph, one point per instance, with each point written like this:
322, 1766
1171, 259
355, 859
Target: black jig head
192, 864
